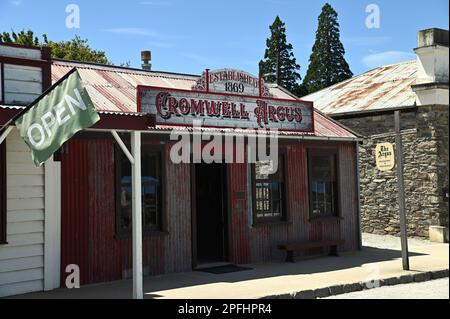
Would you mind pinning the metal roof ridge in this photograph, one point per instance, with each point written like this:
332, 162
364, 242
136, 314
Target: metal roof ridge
94, 65
362, 75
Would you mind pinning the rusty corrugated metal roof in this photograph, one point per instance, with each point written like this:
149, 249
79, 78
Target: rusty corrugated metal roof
382, 88
113, 89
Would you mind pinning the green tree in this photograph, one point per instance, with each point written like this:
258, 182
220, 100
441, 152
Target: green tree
327, 64
23, 38
279, 65
76, 49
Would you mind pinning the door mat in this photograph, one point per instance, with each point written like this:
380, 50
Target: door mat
224, 269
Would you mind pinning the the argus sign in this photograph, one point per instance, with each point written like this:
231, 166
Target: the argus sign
56, 117
384, 155
182, 107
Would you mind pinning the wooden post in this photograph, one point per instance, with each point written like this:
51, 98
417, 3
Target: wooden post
401, 191
207, 79
137, 215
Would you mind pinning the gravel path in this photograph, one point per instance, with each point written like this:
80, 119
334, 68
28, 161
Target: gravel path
390, 242
434, 289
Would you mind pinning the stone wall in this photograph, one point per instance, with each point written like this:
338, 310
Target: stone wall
425, 151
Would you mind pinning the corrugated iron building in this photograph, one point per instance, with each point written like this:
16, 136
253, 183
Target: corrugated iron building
88, 224
82, 193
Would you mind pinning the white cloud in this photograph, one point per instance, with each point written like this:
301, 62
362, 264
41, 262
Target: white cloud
366, 41
16, 2
134, 31
146, 33
194, 57
157, 3
277, 2
161, 44
388, 57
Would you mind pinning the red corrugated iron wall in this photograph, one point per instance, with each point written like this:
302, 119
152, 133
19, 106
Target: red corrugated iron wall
88, 213
238, 225
254, 244
349, 226
88, 217
177, 250
74, 208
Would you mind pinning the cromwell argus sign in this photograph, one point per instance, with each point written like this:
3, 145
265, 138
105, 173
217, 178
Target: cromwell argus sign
182, 107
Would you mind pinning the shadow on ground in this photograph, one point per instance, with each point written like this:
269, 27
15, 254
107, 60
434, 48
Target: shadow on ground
123, 289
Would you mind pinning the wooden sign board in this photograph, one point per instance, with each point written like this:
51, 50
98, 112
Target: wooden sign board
231, 81
182, 107
385, 156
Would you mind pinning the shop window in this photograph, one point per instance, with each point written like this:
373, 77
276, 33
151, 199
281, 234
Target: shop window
323, 183
152, 188
269, 191
3, 193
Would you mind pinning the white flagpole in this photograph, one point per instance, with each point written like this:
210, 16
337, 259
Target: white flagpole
137, 215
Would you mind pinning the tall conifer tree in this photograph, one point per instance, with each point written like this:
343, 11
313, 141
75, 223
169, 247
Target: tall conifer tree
327, 64
279, 64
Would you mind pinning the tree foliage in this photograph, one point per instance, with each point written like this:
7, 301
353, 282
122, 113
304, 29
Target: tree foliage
279, 64
23, 38
76, 49
327, 64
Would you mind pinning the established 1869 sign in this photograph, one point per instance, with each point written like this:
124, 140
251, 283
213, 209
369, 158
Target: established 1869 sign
182, 107
384, 155
231, 81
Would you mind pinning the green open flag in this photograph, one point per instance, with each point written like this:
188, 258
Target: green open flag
65, 109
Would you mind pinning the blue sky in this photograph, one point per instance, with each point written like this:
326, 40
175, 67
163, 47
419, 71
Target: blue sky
188, 36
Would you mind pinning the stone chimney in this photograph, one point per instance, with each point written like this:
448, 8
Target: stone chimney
432, 67
146, 57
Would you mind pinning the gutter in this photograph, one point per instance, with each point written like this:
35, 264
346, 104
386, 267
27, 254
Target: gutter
299, 137
365, 113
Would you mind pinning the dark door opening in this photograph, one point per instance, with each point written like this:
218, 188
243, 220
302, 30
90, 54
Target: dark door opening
211, 213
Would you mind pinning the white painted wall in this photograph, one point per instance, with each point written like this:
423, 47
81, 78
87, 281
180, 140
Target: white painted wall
432, 67
22, 259
52, 224
33, 195
22, 84
19, 52
432, 64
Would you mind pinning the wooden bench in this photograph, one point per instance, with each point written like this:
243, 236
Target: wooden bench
292, 247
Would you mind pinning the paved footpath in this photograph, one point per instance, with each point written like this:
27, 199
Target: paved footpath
380, 259
434, 289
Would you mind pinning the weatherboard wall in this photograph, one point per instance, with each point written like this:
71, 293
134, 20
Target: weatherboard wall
22, 259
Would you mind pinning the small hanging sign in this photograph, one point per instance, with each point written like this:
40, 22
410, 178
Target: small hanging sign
385, 156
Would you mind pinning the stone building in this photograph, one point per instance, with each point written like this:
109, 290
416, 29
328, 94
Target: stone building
366, 104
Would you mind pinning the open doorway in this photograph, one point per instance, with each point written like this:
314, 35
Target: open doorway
210, 209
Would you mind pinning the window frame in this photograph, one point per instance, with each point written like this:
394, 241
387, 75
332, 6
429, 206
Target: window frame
284, 218
324, 152
3, 194
118, 155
